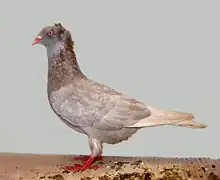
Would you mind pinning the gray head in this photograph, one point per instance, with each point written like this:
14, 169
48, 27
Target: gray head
51, 35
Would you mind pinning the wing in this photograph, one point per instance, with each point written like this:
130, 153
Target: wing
101, 107
126, 112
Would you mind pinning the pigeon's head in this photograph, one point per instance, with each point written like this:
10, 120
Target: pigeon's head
50, 35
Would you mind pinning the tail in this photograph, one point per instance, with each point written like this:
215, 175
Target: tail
160, 117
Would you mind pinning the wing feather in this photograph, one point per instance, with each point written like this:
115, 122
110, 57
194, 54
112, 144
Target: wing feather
126, 112
100, 107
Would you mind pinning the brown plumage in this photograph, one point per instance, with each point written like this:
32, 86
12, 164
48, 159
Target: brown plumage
91, 108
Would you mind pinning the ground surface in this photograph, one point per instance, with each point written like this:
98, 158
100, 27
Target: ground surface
46, 167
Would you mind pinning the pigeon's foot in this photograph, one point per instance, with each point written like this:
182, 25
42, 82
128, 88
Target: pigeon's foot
84, 158
80, 168
87, 164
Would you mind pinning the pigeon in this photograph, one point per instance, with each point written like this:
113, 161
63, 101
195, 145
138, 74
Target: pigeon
91, 108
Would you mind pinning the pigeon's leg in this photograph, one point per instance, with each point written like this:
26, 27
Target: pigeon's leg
96, 149
84, 158
96, 154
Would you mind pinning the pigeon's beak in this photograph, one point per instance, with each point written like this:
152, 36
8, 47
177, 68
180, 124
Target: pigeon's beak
37, 40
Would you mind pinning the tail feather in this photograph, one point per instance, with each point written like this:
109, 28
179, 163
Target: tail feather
160, 117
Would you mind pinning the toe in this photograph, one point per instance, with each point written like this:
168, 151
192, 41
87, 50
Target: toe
76, 167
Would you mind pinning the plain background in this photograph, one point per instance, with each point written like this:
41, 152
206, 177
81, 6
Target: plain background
164, 53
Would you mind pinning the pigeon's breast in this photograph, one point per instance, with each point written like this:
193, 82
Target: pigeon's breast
65, 108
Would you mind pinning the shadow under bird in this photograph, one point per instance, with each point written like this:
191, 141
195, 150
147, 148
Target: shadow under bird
91, 108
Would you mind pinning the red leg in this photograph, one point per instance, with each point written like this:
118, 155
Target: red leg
96, 149
84, 158
88, 164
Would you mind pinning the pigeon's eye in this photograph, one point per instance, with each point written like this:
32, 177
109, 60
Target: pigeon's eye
50, 33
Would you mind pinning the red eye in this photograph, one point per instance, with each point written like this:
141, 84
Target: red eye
50, 33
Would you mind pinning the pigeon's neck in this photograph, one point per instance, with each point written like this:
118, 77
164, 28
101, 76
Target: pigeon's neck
63, 68
54, 50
